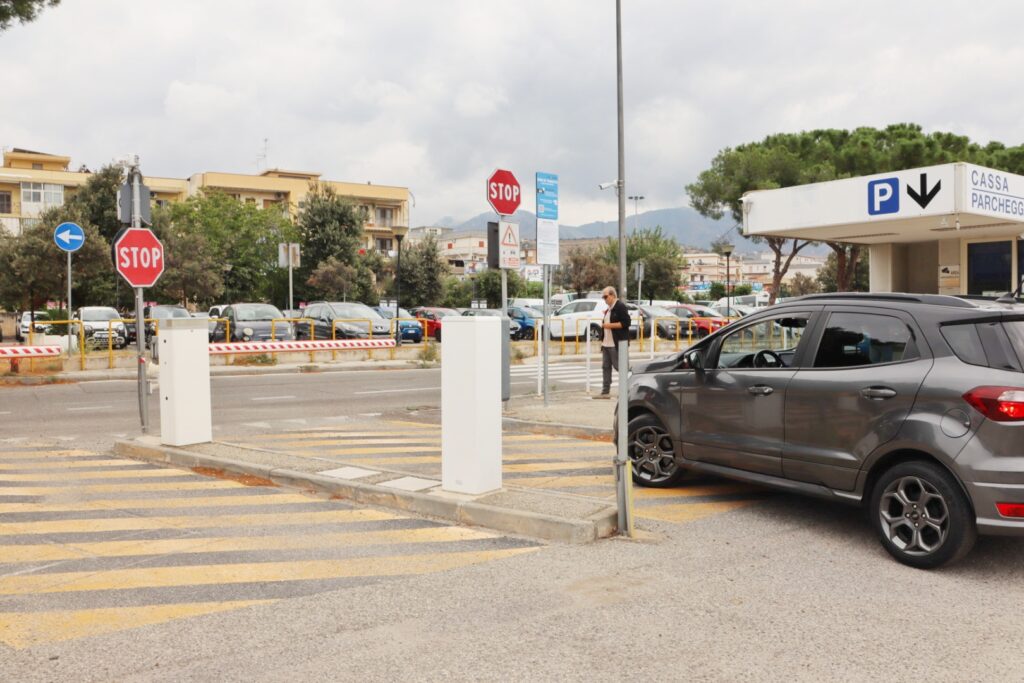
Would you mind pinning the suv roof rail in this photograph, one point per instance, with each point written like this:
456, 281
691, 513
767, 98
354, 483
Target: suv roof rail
930, 299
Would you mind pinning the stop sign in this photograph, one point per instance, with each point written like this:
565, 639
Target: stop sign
139, 257
503, 192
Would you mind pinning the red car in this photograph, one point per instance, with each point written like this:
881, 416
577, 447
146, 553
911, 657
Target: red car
433, 316
705, 320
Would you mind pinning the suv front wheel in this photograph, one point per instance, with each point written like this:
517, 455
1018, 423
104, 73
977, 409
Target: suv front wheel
922, 516
652, 453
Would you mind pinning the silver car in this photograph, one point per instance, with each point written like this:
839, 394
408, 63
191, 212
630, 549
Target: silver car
909, 405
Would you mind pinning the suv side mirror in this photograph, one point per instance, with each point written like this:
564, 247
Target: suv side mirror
694, 360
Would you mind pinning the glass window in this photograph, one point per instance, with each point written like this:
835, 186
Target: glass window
988, 268
769, 343
5, 202
385, 217
966, 343
854, 339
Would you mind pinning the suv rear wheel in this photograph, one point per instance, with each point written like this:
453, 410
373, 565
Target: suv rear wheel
922, 516
652, 453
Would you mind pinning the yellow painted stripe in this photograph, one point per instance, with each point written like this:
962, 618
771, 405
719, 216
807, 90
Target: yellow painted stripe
507, 458
694, 491
212, 574
397, 444
692, 511
47, 552
120, 487
563, 482
20, 630
188, 522
46, 453
157, 503
414, 425
116, 474
547, 466
108, 465
370, 450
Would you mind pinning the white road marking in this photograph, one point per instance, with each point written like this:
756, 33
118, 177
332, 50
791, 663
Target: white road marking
369, 414
5, 412
270, 398
90, 408
257, 425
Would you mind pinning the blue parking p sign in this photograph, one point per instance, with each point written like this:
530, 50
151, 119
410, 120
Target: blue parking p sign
883, 196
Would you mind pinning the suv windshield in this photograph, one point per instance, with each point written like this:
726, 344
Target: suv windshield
26, 317
254, 312
99, 314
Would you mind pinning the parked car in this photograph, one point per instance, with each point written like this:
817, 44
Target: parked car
665, 321
152, 314
735, 311
514, 328
411, 330
528, 318
701, 320
250, 322
907, 405
98, 330
214, 313
25, 322
433, 315
583, 316
343, 320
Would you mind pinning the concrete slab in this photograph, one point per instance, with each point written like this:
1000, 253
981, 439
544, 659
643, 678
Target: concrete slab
410, 484
349, 473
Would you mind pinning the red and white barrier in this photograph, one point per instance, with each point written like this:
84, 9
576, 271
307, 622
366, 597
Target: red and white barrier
30, 351
277, 347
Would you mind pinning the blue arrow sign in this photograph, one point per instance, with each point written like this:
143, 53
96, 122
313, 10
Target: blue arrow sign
69, 236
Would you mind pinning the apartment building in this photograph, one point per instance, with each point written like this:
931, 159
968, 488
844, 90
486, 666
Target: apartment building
708, 267
759, 267
31, 182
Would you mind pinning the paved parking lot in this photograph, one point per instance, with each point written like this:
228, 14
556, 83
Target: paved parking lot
540, 461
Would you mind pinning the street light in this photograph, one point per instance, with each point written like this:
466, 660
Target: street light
636, 199
399, 232
727, 250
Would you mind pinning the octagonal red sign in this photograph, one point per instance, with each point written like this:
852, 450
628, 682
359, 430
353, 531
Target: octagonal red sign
503, 192
139, 257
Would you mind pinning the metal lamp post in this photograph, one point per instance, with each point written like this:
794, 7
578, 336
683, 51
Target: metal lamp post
400, 233
636, 199
727, 250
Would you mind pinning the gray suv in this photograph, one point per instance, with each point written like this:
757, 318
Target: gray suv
908, 405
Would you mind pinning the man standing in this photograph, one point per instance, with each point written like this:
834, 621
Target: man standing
616, 330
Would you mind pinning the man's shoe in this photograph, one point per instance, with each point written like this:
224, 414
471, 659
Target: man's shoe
604, 396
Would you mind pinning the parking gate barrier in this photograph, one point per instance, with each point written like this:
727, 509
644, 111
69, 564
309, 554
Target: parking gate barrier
218, 348
273, 334
72, 328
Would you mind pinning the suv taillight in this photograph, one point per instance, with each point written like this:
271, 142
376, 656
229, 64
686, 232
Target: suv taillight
1001, 404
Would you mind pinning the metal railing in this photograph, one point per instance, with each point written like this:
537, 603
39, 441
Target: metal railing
69, 323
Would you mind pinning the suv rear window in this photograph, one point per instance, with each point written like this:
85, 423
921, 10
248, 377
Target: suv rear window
988, 344
1015, 331
966, 343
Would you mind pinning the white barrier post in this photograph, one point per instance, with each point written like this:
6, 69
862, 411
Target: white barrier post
185, 410
538, 328
471, 405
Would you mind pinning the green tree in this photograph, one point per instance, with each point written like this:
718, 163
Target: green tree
662, 258
22, 10
717, 291
192, 273
828, 280
742, 290
423, 274
457, 293
31, 268
328, 226
488, 286
334, 280
585, 269
96, 201
241, 238
801, 285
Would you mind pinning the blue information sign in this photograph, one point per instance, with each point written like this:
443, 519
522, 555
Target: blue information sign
69, 236
547, 196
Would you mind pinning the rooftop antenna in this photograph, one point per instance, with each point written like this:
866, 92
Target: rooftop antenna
262, 157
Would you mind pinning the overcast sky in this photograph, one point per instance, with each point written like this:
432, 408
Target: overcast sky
435, 95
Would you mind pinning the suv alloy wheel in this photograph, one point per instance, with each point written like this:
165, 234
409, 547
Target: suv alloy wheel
652, 453
922, 516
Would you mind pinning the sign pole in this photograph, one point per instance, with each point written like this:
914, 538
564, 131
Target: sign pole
544, 329
140, 323
69, 305
291, 298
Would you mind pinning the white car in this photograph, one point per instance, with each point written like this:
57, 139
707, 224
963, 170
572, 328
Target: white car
583, 316
26, 322
102, 326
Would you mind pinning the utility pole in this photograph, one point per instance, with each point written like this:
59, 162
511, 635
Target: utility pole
636, 199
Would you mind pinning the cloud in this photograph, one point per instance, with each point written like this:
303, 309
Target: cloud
475, 100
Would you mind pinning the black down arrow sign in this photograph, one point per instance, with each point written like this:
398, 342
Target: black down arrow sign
925, 196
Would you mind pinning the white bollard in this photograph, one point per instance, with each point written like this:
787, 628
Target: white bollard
588, 361
185, 416
538, 328
471, 404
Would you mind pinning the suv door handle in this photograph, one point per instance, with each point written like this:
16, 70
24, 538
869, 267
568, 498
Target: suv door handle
760, 390
878, 393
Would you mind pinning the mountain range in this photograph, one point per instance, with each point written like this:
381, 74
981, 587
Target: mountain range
686, 225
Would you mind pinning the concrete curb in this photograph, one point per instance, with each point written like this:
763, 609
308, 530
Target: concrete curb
468, 512
559, 429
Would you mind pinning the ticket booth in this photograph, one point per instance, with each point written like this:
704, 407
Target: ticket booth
948, 229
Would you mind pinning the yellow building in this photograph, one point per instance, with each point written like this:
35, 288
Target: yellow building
31, 182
